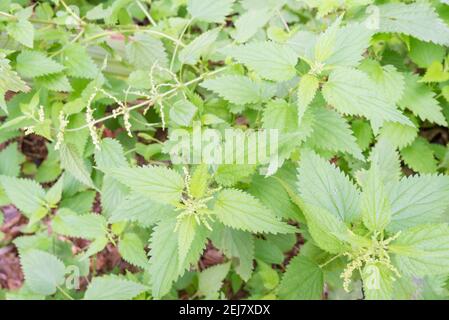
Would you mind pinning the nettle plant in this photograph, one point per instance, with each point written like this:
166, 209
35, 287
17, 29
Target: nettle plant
351, 204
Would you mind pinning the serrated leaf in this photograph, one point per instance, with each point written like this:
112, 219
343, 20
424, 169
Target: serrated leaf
25, 194
158, 183
199, 181
78, 63
308, 86
351, 92
140, 209
250, 22
375, 205
22, 31
323, 185
110, 154
390, 81
272, 61
211, 280
131, 248
43, 271
32, 64
272, 195
10, 160
331, 132
238, 245
420, 99
398, 134
143, 51
209, 10
342, 46
55, 82
422, 250
417, 200
416, 19
182, 112
72, 162
239, 210
303, 280
229, 174
419, 156
87, 226
111, 287
164, 260
281, 115
191, 53
9, 80
240, 89
377, 282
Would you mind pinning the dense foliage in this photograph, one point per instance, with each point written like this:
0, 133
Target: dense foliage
353, 205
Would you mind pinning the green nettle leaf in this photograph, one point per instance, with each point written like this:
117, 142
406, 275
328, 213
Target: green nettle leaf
32, 64
398, 134
327, 230
110, 154
164, 261
377, 282
420, 99
199, 181
22, 31
88, 226
418, 200
352, 92
74, 164
281, 115
44, 273
182, 112
239, 210
238, 245
250, 22
303, 280
272, 61
9, 80
424, 53
308, 86
272, 195
240, 89
143, 51
159, 183
229, 174
419, 156
211, 280
27, 195
390, 81
78, 63
210, 10
113, 288
55, 82
416, 19
186, 229
332, 132
375, 205
342, 46
10, 160
131, 248
200, 45
321, 184
422, 250
140, 209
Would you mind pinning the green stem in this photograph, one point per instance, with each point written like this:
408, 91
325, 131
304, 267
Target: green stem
177, 44
146, 13
330, 260
151, 102
68, 296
